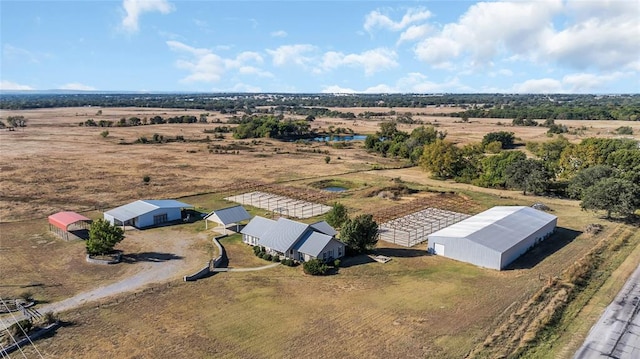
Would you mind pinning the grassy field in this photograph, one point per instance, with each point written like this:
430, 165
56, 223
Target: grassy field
415, 306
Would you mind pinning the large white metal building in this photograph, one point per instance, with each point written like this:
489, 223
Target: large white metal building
146, 213
495, 237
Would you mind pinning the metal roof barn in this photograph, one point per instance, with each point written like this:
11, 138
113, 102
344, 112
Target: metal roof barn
495, 237
66, 224
147, 213
227, 216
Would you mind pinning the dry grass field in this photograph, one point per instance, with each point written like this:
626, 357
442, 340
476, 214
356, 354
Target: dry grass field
415, 306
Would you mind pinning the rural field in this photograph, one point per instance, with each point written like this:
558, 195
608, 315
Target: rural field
415, 306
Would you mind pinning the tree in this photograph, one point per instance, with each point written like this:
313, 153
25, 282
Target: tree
337, 215
506, 138
442, 158
494, 168
587, 178
527, 175
17, 121
613, 195
327, 159
315, 267
360, 233
103, 237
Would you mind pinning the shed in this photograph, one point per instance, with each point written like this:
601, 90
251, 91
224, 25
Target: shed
68, 223
227, 216
147, 213
493, 238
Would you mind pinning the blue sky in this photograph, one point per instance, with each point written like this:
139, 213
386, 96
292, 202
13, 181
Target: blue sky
541, 46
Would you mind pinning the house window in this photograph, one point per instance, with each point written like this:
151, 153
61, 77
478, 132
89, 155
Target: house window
161, 218
339, 251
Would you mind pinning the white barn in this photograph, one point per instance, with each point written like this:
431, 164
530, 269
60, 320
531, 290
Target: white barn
493, 238
146, 213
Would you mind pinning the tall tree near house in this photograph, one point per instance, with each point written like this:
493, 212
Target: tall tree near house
338, 215
613, 195
360, 234
103, 237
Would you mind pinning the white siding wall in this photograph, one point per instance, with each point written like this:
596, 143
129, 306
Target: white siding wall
465, 250
146, 220
519, 249
109, 218
250, 239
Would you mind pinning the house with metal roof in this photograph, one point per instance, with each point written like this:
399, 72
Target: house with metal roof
226, 217
147, 213
495, 237
294, 240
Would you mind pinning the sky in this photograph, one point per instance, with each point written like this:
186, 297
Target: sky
533, 46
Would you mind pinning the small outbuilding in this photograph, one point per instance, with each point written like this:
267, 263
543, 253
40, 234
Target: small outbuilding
495, 237
226, 217
147, 213
69, 225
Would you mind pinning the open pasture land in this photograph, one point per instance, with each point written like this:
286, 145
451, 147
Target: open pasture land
416, 305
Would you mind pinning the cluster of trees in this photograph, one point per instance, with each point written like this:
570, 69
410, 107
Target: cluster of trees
272, 127
389, 141
14, 121
574, 170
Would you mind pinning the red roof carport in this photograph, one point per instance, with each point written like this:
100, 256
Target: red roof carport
60, 222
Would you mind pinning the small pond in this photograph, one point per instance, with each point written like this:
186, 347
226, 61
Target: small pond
335, 189
340, 138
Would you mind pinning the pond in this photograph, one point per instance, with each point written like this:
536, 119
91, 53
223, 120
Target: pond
340, 138
335, 189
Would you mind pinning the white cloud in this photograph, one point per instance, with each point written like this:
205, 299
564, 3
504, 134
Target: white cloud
279, 33
487, 29
11, 52
546, 85
77, 87
585, 82
12, 86
206, 66
337, 89
372, 60
292, 54
600, 35
377, 19
415, 32
135, 8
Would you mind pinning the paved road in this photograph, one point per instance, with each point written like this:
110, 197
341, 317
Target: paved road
617, 333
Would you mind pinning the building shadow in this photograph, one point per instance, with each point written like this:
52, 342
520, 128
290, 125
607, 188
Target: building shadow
360, 259
401, 252
542, 250
149, 257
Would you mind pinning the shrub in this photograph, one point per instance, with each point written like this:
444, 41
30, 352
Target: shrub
16, 329
315, 267
26, 296
336, 263
146, 179
104, 134
268, 256
49, 318
256, 250
275, 258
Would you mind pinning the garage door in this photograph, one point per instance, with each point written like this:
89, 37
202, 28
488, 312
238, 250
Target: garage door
439, 249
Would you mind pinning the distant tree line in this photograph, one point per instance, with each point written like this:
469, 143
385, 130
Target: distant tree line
272, 127
530, 106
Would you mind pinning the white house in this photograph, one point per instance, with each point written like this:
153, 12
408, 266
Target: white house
294, 240
146, 213
495, 237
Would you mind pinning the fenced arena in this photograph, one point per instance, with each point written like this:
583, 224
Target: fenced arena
414, 228
410, 223
281, 205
